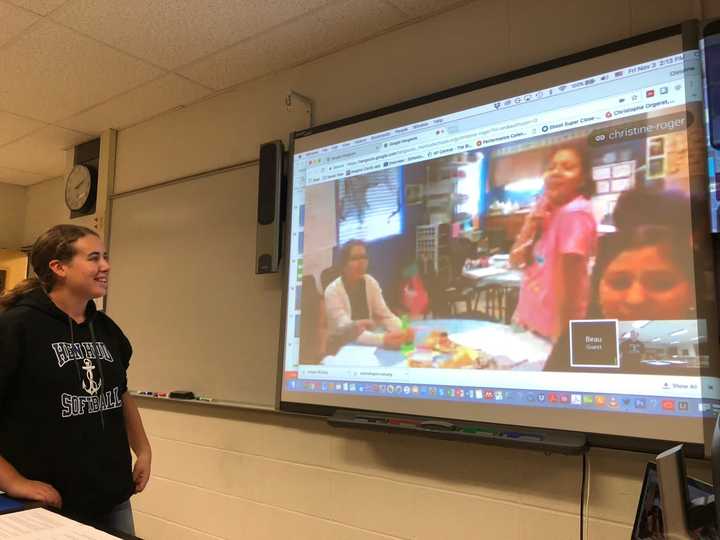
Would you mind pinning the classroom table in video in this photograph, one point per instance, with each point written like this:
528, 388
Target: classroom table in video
497, 346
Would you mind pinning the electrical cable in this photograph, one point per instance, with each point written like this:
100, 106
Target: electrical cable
582, 496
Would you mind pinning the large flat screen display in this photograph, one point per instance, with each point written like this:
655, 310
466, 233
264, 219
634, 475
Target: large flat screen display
523, 252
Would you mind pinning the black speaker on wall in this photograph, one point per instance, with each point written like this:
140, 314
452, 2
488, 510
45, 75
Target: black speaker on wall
271, 208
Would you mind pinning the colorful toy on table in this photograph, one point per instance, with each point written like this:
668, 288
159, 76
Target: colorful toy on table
440, 342
408, 347
439, 351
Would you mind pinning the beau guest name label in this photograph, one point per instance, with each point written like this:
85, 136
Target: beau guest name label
594, 343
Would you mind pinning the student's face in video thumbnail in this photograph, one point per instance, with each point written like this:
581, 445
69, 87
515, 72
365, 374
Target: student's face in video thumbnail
644, 283
356, 264
563, 177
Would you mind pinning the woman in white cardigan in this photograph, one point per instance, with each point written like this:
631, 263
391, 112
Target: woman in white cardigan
355, 305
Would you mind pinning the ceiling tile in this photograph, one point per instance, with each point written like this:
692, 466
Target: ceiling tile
41, 7
20, 178
418, 8
13, 21
647, 15
13, 127
171, 33
574, 26
48, 57
710, 9
305, 38
146, 101
42, 152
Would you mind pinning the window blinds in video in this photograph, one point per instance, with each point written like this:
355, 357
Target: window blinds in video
520, 253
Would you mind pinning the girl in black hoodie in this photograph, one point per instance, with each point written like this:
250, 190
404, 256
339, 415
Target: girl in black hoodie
67, 421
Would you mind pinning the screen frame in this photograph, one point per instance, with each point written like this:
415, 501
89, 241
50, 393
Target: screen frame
711, 30
689, 31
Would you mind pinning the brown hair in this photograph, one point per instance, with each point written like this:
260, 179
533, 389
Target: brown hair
57, 243
346, 249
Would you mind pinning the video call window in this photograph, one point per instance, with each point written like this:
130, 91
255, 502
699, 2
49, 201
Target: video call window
509, 242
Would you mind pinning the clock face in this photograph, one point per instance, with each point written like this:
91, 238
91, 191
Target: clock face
78, 185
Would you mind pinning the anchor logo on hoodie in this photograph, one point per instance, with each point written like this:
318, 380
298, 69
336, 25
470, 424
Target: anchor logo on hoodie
91, 387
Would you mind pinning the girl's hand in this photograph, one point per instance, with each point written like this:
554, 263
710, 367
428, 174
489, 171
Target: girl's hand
141, 471
364, 325
33, 490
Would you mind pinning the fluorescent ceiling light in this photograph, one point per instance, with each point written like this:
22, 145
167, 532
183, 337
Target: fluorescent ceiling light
679, 332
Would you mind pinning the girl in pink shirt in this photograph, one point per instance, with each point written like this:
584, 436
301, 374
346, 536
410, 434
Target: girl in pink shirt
554, 247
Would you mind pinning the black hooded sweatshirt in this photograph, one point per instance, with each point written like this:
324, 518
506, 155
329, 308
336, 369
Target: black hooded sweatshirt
61, 418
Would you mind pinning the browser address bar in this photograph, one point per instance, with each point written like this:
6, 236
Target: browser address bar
586, 114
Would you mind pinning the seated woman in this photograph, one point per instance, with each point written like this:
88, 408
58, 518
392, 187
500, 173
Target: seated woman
643, 271
355, 307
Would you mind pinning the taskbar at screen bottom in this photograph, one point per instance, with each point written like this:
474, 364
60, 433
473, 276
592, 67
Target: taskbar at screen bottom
625, 403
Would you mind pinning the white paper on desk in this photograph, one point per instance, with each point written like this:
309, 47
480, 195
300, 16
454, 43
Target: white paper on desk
353, 355
41, 524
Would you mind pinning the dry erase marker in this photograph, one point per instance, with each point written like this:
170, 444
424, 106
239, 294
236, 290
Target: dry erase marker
206, 399
182, 394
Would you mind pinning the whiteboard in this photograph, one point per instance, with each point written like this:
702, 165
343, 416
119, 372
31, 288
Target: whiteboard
183, 288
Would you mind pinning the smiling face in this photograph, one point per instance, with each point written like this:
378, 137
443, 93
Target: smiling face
644, 284
563, 177
86, 274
